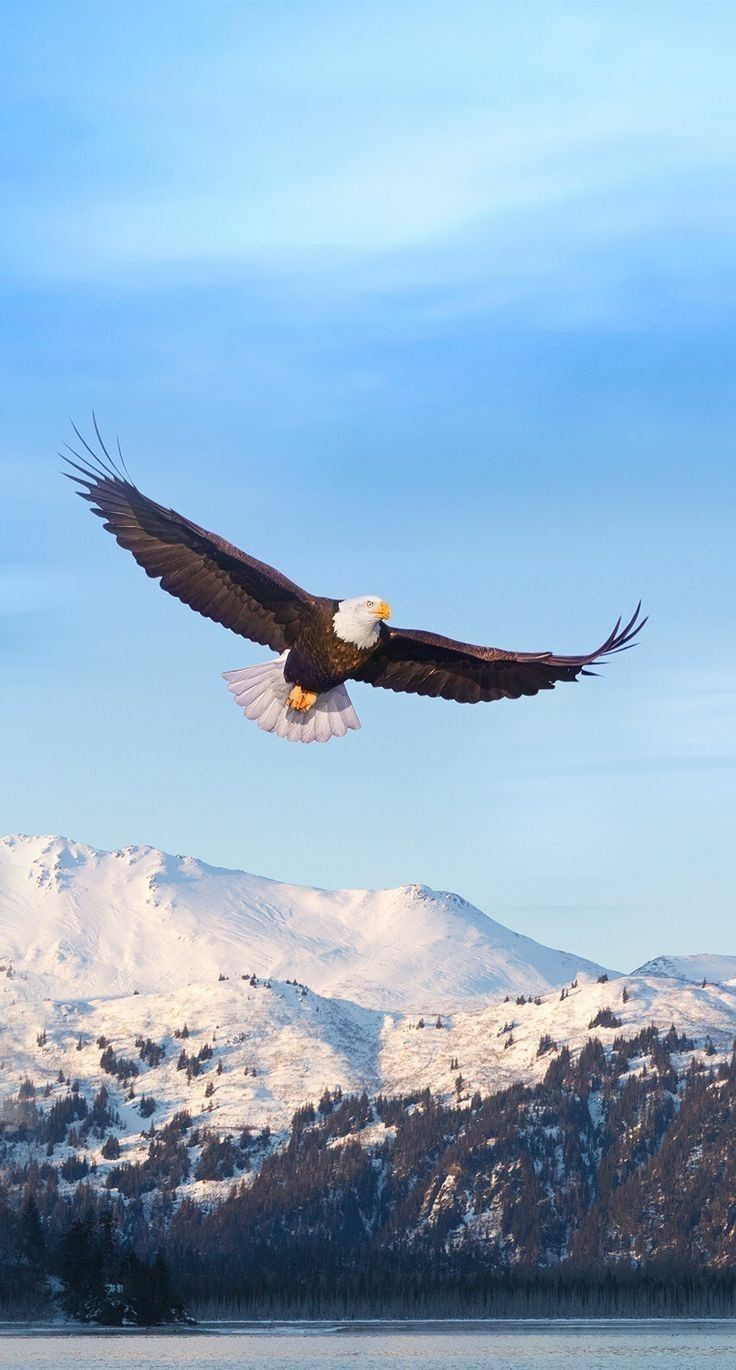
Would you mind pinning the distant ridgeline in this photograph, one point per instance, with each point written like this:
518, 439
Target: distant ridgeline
605, 1189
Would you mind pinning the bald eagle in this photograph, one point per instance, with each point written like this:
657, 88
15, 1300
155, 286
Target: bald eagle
321, 642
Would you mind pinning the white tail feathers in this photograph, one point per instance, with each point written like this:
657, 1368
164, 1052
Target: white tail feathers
262, 693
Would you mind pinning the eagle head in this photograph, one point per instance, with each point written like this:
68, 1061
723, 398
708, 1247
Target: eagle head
358, 620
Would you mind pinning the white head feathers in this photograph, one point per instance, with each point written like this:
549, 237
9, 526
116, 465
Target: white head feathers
359, 620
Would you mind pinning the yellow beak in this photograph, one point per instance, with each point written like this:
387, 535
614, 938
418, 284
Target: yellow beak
383, 610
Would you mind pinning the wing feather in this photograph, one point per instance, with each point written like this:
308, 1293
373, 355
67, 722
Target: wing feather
421, 663
201, 569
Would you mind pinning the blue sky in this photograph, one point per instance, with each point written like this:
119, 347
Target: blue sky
430, 300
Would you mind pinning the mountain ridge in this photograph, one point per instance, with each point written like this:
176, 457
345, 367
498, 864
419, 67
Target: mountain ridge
103, 922
707, 966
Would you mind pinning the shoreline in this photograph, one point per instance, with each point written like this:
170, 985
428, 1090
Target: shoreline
360, 1326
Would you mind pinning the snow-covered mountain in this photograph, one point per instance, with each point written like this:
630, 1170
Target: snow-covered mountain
84, 923
178, 986
694, 969
212, 1053
271, 1046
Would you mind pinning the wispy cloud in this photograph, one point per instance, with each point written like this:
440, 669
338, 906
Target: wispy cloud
428, 191
423, 147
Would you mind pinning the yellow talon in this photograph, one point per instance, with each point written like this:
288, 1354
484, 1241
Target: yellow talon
301, 700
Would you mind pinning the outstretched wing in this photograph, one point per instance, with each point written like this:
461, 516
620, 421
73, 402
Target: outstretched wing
428, 664
199, 568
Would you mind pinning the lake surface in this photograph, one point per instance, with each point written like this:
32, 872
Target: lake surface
433, 1346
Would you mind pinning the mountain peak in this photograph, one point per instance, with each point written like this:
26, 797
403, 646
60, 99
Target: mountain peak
692, 969
86, 921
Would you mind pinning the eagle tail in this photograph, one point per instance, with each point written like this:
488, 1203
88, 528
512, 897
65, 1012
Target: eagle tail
262, 693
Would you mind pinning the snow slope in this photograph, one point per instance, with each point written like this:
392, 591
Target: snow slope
276, 1046
89, 923
720, 969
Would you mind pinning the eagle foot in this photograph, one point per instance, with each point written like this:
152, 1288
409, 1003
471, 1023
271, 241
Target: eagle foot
301, 700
